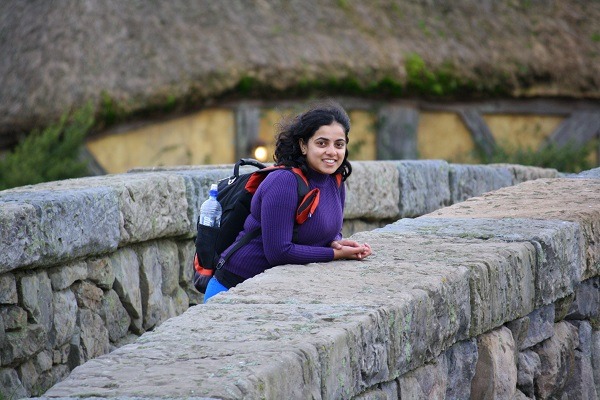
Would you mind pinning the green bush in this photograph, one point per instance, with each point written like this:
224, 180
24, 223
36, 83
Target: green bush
568, 158
49, 155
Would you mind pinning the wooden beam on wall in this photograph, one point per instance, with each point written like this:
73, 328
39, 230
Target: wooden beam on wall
397, 133
482, 135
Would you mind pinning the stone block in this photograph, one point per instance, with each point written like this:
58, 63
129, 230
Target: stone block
522, 173
580, 382
150, 284
528, 367
595, 348
8, 289
187, 249
372, 191
94, 335
169, 263
468, 181
418, 384
152, 206
11, 387
13, 317
65, 276
101, 272
557, 245
127, 285
557, 360
384, 391
534, 328
353, 226
88, 296
461, 360
45, 225
424, 187
572, 200
64, 318
495, 371
36, 298
115, 316
586, 304
500, 274
23, 344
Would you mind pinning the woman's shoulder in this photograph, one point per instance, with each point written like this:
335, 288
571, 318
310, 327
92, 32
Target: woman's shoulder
279, 177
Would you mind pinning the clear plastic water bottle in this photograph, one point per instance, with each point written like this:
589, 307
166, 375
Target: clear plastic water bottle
210, 211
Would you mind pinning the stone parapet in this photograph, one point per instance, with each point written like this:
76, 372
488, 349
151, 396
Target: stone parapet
448, 306
90, 264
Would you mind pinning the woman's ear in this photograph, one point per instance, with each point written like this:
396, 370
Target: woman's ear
302, 146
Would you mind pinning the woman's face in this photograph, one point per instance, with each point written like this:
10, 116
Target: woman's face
326, 148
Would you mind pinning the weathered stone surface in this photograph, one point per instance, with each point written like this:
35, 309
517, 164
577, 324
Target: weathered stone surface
557, 360
495, 372
461, 360
580, 383
273, 359
22, 344
528, 367
127, 284
8, 289
94, 336
169, 263
557, 244
523, 201
418, 384
115, 316
586, 304
384, 391
424, 186
14, 317
534, 328
11, 387
187, 249
589, 174
88, 296
150, 284
372, 191
46, 225
353, 226
468, 181
63, 277
500, 274
101, 272
522, 173
36, 297
64, 319
595, 348
152, 205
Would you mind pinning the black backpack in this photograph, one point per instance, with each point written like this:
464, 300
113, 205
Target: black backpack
235, 195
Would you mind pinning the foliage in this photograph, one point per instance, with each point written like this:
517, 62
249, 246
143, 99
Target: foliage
52, 154
568, 158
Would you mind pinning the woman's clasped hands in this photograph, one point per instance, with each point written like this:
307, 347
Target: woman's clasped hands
350, 250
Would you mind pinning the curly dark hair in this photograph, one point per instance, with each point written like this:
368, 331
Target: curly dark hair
303, 127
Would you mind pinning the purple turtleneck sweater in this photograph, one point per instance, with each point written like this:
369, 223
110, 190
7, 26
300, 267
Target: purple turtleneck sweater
273, 208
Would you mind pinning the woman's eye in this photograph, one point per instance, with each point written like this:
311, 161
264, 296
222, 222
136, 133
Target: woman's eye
340, 145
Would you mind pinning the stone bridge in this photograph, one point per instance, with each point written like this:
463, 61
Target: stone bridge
484, 284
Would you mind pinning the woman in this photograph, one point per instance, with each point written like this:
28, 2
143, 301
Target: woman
315, 141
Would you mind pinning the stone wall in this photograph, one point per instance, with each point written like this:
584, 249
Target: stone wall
88, 265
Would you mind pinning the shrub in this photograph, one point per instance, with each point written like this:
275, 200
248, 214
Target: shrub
568, 158
49, 155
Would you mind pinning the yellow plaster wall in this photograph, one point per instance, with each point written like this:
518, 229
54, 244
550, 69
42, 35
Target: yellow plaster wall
524, 131
443, 135
206, 137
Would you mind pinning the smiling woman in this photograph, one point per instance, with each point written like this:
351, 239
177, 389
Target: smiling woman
315, 142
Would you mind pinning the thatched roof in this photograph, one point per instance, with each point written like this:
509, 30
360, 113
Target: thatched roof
142, 54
